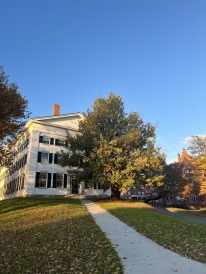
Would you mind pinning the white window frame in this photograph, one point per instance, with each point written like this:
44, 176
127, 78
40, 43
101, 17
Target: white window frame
59, 184
45, 141
44, 175
46, 162
171, 200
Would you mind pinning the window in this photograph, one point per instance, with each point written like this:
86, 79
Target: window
43, 179
46, 140
59, 142
167, 200
45, 157
57, 158
170, 199
191, 200
178, 199
194, 199
59, 180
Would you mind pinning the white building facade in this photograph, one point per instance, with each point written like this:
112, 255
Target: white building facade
36, 169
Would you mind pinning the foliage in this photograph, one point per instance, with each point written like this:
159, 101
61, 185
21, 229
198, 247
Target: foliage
198, 151
13, 112
113, 148
52, 235
183, 237
176, 181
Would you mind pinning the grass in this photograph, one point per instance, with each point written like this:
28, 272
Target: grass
183, 237
52, 235
199, 213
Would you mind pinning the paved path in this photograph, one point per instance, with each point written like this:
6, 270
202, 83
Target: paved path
140, 255
181, 215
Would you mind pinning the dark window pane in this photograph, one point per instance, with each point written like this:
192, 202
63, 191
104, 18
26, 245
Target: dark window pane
39, 157
49, 180
51, 141
50, 158
54, 180
40, 139
37, 179
55, 158
65, 180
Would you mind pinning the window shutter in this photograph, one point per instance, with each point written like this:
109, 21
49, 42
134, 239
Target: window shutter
51, 141
54, 180
23, 176
25, 159
55, 158
56, 142
49, 180
50, 158
40, 139
39, 157
37, 179
65, 180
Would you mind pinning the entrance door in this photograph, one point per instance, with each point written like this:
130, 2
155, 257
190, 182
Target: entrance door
74, 185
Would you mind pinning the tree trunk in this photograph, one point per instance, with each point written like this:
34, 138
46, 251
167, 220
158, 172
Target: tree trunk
115, 193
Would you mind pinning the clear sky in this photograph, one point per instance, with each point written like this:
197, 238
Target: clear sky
150, 52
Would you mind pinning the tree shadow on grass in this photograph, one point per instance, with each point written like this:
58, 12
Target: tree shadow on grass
28, 202
54, 240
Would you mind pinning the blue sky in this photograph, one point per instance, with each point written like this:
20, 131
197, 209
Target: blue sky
150, 52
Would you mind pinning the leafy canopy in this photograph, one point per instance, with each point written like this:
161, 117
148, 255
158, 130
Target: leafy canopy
114, 149
176, 180
13, 112
198, 151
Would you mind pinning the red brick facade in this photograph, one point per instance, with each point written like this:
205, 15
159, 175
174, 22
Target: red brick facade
173, 197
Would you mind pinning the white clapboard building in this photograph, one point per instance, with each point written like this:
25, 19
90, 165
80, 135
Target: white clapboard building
35, 169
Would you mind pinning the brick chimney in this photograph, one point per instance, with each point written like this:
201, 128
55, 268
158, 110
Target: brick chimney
56, 110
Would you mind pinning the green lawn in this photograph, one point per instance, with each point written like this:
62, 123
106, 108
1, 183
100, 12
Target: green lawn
183, 237
52, 235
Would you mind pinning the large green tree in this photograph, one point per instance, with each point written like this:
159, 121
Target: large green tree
114, 149
13, 114
198, 151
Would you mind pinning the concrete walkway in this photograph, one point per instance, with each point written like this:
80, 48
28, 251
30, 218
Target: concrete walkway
138, 254
181, 215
